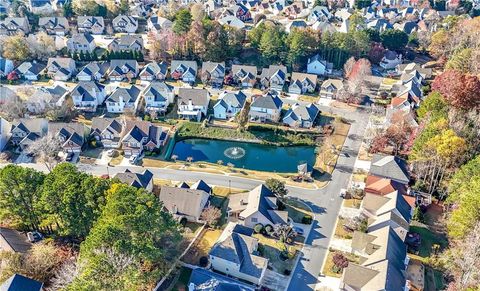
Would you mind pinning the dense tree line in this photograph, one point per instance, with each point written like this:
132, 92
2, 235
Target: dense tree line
128, 240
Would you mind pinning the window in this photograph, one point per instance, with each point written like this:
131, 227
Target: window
254, 219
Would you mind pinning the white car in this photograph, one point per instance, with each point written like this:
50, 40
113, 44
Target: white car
133, 159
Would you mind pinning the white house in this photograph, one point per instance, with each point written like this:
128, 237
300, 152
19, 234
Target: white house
88, 95
318, 66
81, 43
193, 103
184, 70
93, 71
30, 70
61, 69
302, 116
125, 23
120, 70
302, 83
123, 99
27, 130
158, 95
391, 60
229, 104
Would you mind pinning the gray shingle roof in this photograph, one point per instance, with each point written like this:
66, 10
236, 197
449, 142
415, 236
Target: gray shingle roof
390, 167
127, 94
17, 241
268, 101
184, 201
158, 90
137, 180
197, 96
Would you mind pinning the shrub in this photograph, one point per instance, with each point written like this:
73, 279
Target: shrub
307, 219
183, 221
287, 272
418, 214
258, 228
203, 261
340, 262
268, 229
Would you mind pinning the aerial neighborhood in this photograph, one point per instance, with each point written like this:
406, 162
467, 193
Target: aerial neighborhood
239, 145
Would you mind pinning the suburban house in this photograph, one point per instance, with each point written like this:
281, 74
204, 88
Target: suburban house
259, 206
157, 96
184, 70
42, 7
391, 60
229, 104
302, 83
107, 131
391, 209
61, 69
5, 128
154, 71
142, 135
390, 167
316, 65
193, 103
273, 77
90, 24
244, 76
319, 13
123, 99
72, 135
235, 254
30, 70
122, 69
125, 23
300, 115
81, 43
330, 88
19, 282
383, 262
127, 42
87, 95
14, 26
26, 130
265, 108
213, 73
201, 277
184, 203
232, 21
138, 180
199, 185
12, 240
383, 186
54, 25
93, 71
6, 66
157, 23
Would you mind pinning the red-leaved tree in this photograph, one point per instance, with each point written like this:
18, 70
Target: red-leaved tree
459, 89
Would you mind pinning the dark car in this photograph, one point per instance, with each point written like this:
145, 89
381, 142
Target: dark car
69, 157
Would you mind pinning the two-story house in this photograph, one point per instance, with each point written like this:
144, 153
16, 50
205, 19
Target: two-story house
229, 104
54, 25
72, 135
184, 70
244, 76
142, 135
90, 24
125, 23
154, 71
157, 96
156, 23
87, 95
138, 180
123, 99
108, 131
265, 108
127, 42
316, 65
30, 70
213, 73
330, 88
193, 103
273, 77
121, 70
301, 116
61, 69
302, 83
14, 26
27, 130
93, 71
184, 203
81, 43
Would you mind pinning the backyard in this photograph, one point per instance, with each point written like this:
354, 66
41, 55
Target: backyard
328, 268
271, 249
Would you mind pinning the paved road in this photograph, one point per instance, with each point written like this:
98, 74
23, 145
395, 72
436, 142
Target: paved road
325, 202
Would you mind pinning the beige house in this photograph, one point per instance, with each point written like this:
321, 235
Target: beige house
266, 108
184, 202
234, 254
330, 88
258, 206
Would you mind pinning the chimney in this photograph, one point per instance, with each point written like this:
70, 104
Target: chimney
190, 103
175, 209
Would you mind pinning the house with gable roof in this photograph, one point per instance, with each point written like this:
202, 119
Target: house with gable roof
121, 70
193, 103
93, 71
123, 98
90, 24
235, 254
390, 167
213, 73
244, 76
142, 135
125, 23
30, 70
301, 116
27, 130
88, 95
265, 108
154, 71
81, 43
54, 25
184, 203
108, 131
14, 26
184, 70
157, 96
157, 23
330, 88
318, 66
61, 69
273, 77
127, 42
254, 207
229, 104
302, 83
72, 135
201, 278
138, 180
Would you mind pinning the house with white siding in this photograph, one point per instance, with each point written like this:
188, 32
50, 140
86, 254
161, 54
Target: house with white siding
123, 99
88, 95
229, 104
157, 96
193, 103
265, 108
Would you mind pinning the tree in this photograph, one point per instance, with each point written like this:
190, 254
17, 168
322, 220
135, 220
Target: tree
277, 187
16, 48
72, 200
12, 108
19, 192
65, 275
376, 53
182, 22
67, 9
394, 39
284, 233
301, 43
459, 90
132, 244
272, 44
242, 117
86, 7
197, 11
434, 107
46, 149
210, 215
340, 262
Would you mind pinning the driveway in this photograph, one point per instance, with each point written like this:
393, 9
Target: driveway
104, 159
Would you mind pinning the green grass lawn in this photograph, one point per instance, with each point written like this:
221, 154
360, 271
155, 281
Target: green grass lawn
296, 210
428, 240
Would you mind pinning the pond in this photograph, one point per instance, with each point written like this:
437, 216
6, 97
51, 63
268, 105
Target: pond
245, 155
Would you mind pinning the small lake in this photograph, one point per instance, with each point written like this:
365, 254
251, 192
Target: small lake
245, 155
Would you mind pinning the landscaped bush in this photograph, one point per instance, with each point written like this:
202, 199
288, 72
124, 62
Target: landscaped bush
203, 261
258, 228
340, 262
307, 219
268, 229
287, 272
183, 221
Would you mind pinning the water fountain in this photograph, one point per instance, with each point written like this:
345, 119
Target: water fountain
234, 153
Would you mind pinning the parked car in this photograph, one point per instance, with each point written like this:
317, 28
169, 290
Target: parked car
34, 236
69, 157
111, 153
133, 159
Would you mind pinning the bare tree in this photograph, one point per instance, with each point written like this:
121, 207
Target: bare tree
42, 45
46, 149
13, 108
284, 233
65, 275
210, 215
